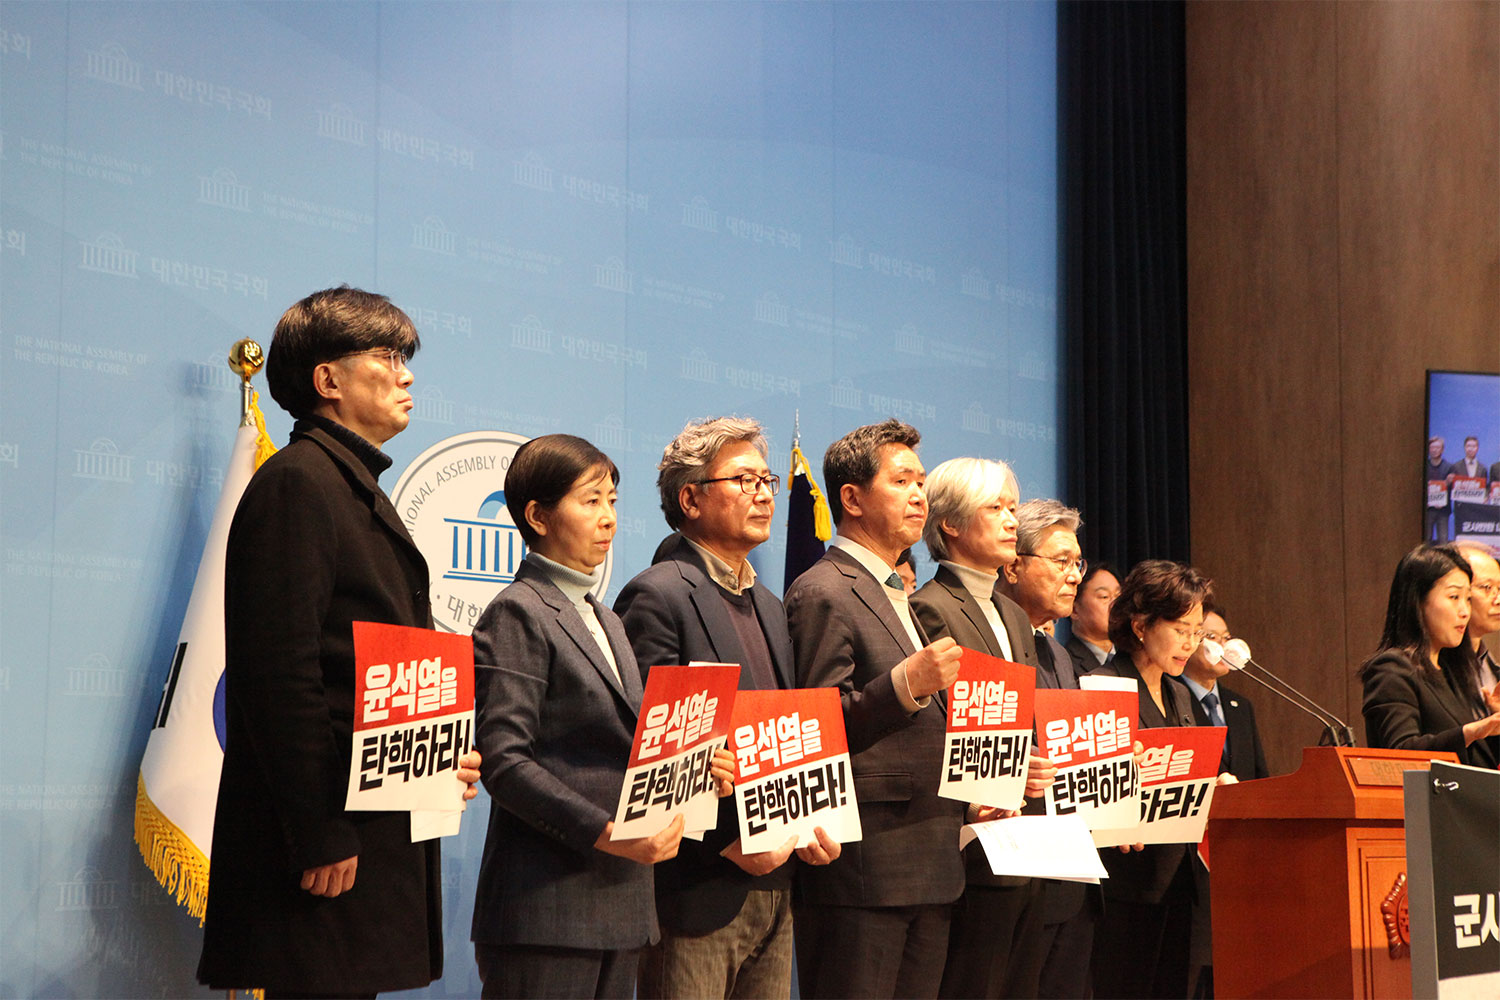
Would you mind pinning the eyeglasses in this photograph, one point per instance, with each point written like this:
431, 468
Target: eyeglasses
1486, 591
749, 482
1063, 563
1185, 634
397, 359
1219, 637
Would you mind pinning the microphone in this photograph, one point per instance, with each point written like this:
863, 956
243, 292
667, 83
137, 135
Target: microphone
1236, 653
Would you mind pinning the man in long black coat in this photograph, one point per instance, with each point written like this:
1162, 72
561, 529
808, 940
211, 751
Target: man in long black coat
306, 898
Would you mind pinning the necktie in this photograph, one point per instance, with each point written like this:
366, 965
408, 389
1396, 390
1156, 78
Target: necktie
894, 582
1211, 707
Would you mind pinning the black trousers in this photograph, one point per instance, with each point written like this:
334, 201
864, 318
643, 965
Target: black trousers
849, 952
994, 942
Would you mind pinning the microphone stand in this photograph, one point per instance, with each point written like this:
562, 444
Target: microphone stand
1335, 731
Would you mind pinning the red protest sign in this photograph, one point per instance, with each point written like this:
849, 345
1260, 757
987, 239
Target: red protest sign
794, 771
989, 731
413, 717
1088, 735
1179, 771
685, 714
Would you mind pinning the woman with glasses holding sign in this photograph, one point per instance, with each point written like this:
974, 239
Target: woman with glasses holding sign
1142, 943
561, 910
1419, 686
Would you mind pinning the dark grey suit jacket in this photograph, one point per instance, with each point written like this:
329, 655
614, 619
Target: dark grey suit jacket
944, 606
847, 635
555, 727
674, 614
1084, 660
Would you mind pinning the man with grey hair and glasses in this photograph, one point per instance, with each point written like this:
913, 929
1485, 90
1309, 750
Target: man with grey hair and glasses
725, 915
1044, 579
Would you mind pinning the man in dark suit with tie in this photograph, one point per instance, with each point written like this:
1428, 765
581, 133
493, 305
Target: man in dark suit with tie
1044, 581
725, 915
1216, 705
875, 924
971, 532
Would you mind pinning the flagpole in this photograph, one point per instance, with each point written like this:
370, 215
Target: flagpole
246, 359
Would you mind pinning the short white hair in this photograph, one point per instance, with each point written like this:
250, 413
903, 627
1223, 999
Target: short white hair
956, 490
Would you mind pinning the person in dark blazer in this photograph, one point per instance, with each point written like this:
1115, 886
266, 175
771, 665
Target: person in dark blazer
726, 918
1043, 581
1088, 627
1143, 942
306, 898
875, 923
971, 533
1215, 704
1419, 688
561, 909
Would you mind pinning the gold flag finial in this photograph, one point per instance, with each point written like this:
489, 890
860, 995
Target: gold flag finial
245, 359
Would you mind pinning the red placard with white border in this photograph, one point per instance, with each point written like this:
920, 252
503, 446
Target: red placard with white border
684, 718
989, 731
413, 717
1088, 735
1178, 774
1469, 489
794, 772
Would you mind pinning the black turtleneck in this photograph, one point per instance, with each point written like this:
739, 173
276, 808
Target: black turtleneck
373, 458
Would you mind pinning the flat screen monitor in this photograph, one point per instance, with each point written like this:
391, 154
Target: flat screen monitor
1461, 467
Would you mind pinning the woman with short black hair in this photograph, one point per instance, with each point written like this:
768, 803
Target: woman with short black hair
561, 910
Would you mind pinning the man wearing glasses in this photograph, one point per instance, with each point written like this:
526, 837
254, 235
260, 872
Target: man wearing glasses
725, 915
305, 898
1484, 610
1044, 580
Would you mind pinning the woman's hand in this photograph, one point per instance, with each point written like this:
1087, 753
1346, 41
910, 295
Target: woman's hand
1487, 726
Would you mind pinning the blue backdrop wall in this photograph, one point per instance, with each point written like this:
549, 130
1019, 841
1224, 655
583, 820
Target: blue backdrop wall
604, 218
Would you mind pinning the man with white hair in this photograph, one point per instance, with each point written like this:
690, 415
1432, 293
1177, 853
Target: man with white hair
725, 915
971, 533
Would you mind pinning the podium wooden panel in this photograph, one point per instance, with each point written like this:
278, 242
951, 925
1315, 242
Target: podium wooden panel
1302, 866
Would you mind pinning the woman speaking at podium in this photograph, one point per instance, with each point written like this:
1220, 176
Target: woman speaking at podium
1417, 684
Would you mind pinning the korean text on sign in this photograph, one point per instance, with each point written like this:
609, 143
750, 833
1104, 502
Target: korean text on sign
794, 771
1089, 735
989, 731
684, 718
1178, 772
413, 719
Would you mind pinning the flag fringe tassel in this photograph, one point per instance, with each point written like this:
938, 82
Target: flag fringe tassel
179, 866
822, 516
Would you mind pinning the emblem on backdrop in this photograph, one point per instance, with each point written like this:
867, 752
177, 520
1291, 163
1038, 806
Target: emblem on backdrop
452, 500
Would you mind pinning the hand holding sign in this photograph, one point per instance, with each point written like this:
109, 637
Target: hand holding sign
932, 668
660, 846
986, 753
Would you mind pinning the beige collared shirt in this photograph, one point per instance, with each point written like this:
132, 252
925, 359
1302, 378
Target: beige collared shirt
881, 570
720, 572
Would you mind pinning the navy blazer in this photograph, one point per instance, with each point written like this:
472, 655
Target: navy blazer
555, 726
1247, 758
674, 613
847, 635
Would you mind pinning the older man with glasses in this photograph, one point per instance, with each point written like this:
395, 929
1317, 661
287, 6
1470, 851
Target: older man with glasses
725, 915
1484, 609
1044, 580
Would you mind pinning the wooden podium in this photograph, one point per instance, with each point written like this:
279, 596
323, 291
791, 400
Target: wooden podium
1309, 878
